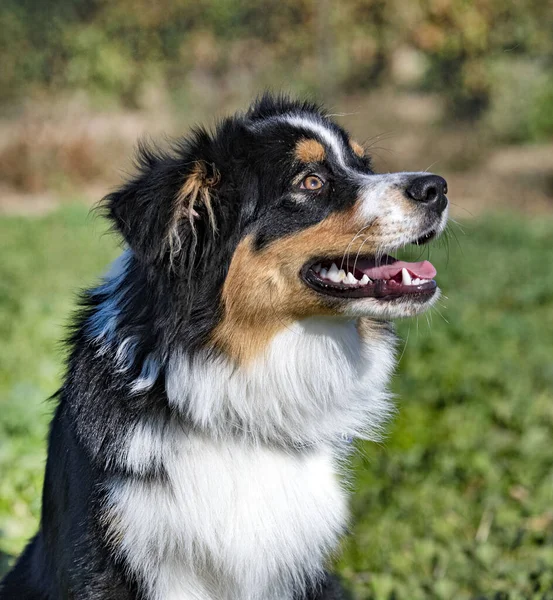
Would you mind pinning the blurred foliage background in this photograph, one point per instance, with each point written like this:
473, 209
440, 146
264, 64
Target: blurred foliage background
474, 53
458, 501
82, 79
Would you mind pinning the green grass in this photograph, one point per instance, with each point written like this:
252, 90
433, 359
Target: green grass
45, 261
456, 503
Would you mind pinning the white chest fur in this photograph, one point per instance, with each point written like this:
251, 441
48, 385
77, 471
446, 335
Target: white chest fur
231, 522
238, 517
317, 380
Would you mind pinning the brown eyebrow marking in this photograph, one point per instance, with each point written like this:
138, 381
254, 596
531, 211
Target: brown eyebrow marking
357, 148
309, 150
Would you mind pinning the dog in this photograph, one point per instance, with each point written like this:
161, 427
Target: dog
221, 369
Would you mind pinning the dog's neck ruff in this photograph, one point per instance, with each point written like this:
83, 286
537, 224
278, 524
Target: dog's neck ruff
319, 381
240, 514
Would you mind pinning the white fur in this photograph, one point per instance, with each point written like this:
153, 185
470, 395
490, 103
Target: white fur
148, 445
323, 132
390, 309
398, 225
232, 521
148, 375
126, 353
317, 379
245, 517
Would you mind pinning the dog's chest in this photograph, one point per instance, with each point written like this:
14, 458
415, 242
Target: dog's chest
230, 521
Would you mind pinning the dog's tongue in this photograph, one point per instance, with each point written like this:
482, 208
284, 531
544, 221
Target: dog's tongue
389, 267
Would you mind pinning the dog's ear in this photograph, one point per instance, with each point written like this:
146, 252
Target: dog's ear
167, 205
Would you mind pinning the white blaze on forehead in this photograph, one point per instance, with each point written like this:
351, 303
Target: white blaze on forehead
326, 134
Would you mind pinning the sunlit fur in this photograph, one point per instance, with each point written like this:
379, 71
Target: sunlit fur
282, 423
317, 380
200, 442
229, 520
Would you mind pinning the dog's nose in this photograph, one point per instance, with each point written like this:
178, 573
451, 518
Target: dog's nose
430, 189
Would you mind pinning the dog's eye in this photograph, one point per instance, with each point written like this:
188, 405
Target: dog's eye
312, 183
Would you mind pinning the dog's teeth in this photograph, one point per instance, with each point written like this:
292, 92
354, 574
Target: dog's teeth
364, 280
334, 274
317, 268
416, 281
323, 273
405, 277
350, 279
341, 274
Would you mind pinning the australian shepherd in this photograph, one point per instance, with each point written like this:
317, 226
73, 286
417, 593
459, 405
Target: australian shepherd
219, 372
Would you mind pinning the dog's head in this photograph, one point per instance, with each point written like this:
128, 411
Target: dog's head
275, 217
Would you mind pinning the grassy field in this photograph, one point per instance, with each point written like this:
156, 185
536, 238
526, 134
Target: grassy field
458, 501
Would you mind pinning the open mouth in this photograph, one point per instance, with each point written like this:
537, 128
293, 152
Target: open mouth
382, 277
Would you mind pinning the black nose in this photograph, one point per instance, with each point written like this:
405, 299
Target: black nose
430, 189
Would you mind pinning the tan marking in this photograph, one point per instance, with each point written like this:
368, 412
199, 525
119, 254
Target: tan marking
197, 188
263, 292
357, 148
309, 150
196, 191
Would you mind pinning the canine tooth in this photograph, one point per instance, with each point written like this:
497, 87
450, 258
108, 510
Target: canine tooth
405, 277
364, 280
350, 279
333, 274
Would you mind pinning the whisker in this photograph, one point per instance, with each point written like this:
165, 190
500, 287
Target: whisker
431, 165
455, 222
373, 148
462, 208
359, 251
444, 242
439, 312
382, 159
405, 344
377, 138
343, 114
454, 234
346, 253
